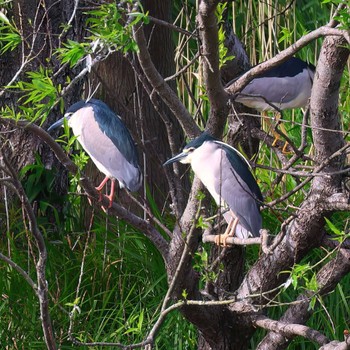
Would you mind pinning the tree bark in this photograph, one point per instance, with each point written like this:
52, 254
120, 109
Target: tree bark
124, 92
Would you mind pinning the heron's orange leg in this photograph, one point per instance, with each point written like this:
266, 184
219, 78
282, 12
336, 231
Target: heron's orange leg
99, 189
229, 232
275, 134
111, 194
102, 184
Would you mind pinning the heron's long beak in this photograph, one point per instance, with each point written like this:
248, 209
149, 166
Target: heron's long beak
176, 158
60, 122
56, 124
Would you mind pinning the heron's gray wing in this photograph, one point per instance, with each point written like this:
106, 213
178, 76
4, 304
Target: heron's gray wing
239, 197
114, 128
274, 90
288, 82
241, 166
104, 153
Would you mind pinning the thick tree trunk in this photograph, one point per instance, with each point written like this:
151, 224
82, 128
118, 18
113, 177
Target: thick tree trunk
122, 90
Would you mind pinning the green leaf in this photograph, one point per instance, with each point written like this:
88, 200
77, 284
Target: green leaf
333, 228
9, 37
3, 18
286, 36
72, 52
201, 223
312, 303
312, 283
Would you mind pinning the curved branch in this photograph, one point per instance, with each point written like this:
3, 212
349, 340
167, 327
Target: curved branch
20, 271
161, 87
327, 279
236, 86
290, 329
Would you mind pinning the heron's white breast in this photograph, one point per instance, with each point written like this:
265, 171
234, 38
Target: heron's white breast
206, 164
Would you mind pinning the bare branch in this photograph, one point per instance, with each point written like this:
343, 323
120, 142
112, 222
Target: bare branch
163, 89
233, 240
336, 345
20, 271
171, 26
290, 329
42, 287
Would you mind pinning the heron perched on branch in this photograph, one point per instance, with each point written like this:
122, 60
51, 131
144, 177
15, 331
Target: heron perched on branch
226, 174
286, 86
108, 142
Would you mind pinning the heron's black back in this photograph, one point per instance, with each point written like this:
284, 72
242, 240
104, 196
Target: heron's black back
241, 167
114, 128
290, 68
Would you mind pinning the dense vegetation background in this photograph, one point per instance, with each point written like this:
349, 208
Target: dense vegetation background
107, 279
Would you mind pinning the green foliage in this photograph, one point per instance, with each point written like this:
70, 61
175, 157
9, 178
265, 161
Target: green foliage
343, 15
108, 27
203, 266
39, 87
223, 57
72, 52
38, 180
303, 276
39, 94
286, 35
116, 298
10, 37
111, 30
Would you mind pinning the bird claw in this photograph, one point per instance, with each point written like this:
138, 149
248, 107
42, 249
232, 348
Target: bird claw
285, 147
222, 239
99, 197
110, 204
230, 231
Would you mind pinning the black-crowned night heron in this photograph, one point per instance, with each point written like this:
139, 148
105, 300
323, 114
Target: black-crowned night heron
108, 142
286, 86
226, 174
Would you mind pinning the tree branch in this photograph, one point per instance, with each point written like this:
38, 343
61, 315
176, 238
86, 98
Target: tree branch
233, 240
161, 87
208, 29
290, 329
42, 287
327, 279
20, 271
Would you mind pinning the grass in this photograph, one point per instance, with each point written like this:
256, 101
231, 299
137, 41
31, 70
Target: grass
122, 285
